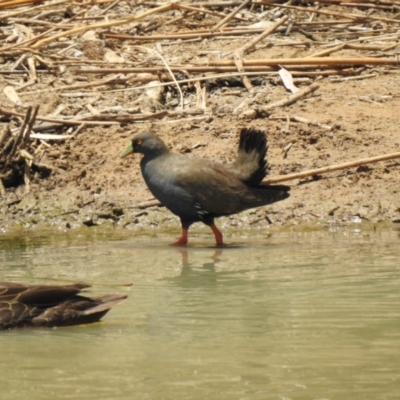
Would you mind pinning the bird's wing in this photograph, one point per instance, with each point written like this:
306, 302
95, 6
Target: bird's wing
214, 187
13, 313
20, 304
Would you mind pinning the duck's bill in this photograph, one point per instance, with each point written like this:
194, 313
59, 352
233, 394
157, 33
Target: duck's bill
128, 150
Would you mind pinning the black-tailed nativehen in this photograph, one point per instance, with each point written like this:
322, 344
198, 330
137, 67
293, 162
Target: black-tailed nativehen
198, 189
23, 306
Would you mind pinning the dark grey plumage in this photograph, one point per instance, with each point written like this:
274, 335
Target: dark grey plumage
51, 305
197, 189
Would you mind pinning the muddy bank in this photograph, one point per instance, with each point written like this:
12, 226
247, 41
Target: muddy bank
81, 182
90, 186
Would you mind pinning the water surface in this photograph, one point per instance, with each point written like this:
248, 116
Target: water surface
290, 316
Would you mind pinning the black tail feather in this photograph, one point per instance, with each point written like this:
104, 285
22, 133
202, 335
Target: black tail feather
251, 165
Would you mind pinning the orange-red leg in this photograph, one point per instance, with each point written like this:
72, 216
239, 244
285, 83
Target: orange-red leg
218, 235
182, 241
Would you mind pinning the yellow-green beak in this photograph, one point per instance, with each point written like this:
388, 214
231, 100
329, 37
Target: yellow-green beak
128, 150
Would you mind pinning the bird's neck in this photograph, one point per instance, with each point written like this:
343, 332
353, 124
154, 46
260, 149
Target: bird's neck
156, 153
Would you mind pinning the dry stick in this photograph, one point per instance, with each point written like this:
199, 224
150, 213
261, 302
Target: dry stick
230, 16
202, 10
209, 4
149, 203
20, 134
178, 68
370, 47
302, 24
4, 111
205, 34
34, 39
2, 188
81, 86
27, 170
267, 32
343, 15
356, 3
32, 73
32, 21
238, 54
297, 118
103, 119
35, 8
168, 69
27, 41
354, 78
364, 4
109, 7
316, 73
165, 7
311, 61
331, 168
365, 39
237, 57
5, 134
292, 99
30, 125
257, 72
24, 143
328, 51
14, 3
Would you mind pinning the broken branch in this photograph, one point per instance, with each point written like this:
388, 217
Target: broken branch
331, 168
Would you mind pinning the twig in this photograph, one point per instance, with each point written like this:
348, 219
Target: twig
30, 124
147, 204
221, 76
237, 57
190, 69
203, 10
336, 14
2, 188
20, 134
331, 168
36, 8
286, 149
328, 51
34, 39
353, 78
114, 3
292, 99
168, 68
179, 35
76, 121
80, 29
311, 61
230, 16
267, 32
302, 120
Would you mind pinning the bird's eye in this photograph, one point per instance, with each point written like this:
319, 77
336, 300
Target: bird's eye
139, 142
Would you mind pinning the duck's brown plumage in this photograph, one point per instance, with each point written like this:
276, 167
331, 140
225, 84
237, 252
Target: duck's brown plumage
51, 305
198, 189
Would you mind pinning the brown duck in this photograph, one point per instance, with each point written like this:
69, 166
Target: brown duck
51, 305
197, 189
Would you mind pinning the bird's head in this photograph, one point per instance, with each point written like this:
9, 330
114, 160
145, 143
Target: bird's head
148, 144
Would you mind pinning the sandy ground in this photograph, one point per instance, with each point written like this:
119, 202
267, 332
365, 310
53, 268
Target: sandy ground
90, 187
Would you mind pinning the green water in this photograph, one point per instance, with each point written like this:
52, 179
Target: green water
292, 316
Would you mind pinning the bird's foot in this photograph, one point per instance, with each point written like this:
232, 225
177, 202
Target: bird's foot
218, 236
182, 241
179, 243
